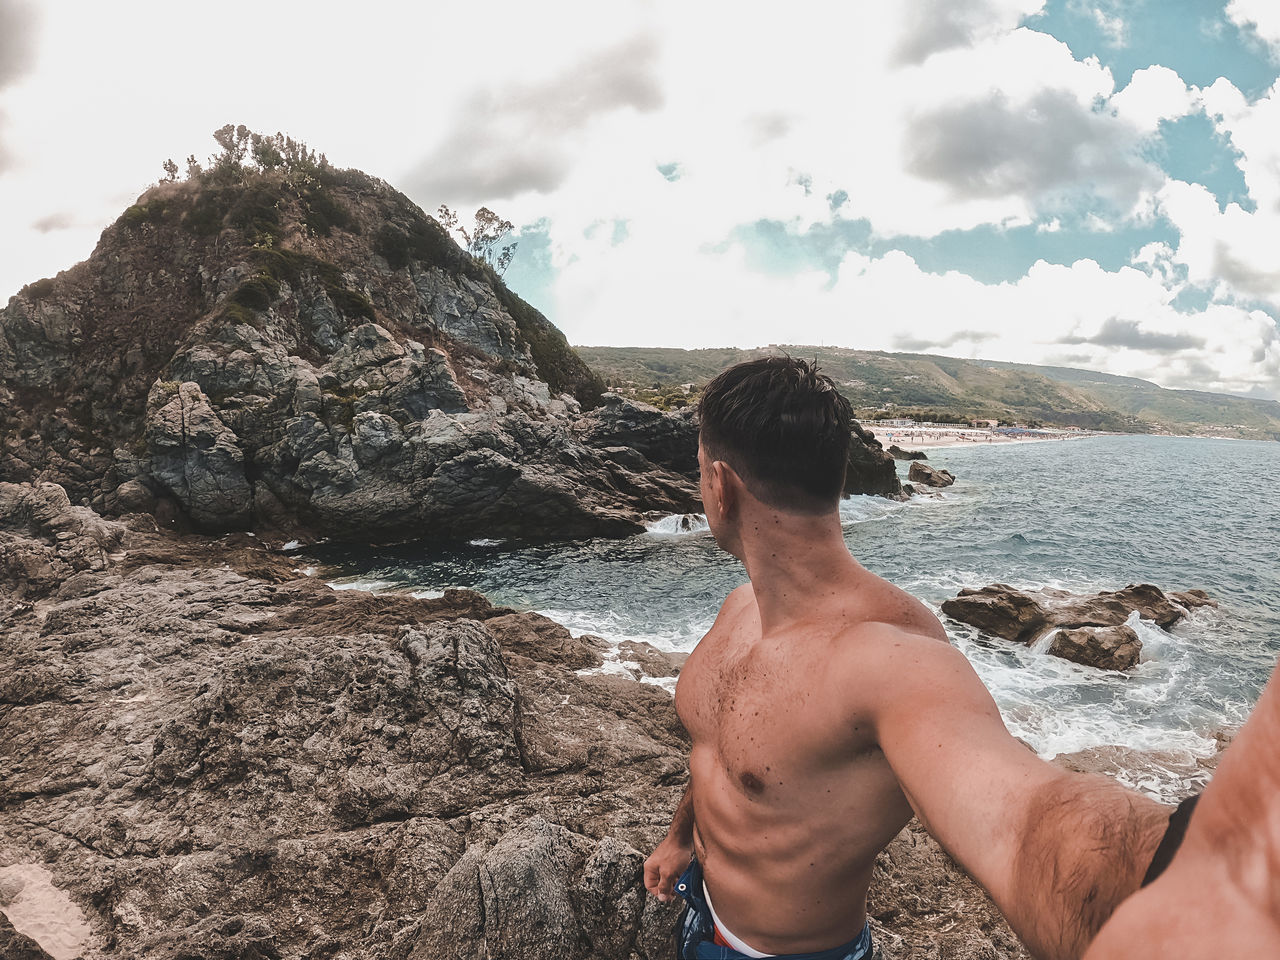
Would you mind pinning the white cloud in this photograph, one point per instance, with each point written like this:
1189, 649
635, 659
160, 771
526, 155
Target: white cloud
1263, 15
930, 117
1154, 94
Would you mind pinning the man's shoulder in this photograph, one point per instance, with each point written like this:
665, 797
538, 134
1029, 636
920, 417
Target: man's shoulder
873, 645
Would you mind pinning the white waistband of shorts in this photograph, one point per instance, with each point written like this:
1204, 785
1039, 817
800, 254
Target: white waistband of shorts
725, 932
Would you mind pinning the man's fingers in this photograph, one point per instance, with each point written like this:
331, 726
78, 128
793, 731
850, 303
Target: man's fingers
652, 877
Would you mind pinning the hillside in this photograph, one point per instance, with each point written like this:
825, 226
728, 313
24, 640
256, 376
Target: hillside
905, 384
275, 344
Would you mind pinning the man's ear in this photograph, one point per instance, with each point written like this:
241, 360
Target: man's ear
725, 484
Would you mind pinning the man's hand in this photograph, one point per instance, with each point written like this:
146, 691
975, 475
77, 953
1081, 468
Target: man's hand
664, 866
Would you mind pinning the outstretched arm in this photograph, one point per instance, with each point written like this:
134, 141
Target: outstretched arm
1221, 894
669, 860
1056, 851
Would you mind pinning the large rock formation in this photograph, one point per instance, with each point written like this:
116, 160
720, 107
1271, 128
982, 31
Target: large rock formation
217, 758
303, 349
1090, 628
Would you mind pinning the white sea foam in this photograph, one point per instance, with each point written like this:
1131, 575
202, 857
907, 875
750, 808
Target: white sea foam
677, 525
292, 545
485, 542
361, 583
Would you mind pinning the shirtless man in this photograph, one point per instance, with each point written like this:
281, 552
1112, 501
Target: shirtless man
825, 706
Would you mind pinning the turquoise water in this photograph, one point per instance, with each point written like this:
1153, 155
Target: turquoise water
1085, 515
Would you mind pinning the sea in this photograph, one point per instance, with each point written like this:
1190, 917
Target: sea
1085, 515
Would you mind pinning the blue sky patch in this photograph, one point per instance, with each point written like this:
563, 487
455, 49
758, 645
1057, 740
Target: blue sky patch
1205, 46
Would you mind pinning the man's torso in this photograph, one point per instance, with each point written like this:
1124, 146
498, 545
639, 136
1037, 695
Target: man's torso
793, 798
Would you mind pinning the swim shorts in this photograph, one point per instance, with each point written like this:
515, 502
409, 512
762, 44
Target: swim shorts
695, 935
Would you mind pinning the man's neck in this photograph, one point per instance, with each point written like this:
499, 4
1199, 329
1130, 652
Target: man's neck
796, 562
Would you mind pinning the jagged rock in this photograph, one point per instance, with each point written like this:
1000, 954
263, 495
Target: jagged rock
670, 440
44, 540
15, 946
1000, 610
196, 457
188, 369
651, 661
542, 893
1193, 599
870, 470
218, 759
1107, 648
898, 453
929, 476
1024, 616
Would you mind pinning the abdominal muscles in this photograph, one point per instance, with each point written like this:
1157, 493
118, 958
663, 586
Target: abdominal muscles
787, 840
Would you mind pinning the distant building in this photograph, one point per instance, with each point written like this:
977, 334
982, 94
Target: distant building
985, 424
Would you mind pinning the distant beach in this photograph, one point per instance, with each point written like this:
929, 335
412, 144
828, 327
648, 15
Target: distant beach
933, 437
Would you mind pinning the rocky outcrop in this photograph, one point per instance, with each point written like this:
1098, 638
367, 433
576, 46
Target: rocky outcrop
302, 349
1108, 648
217, 758
898, 453
1026, 615
870, 469
929, 476
667, 439
228, 361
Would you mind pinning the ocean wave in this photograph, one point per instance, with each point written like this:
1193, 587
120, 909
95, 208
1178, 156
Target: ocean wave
678, 525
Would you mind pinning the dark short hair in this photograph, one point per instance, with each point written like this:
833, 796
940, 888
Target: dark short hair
783, 427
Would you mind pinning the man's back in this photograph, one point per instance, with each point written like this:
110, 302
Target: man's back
793, 798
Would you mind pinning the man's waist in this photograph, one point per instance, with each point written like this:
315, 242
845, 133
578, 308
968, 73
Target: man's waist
764, 910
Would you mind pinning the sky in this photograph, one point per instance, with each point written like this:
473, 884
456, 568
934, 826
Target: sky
1093, 185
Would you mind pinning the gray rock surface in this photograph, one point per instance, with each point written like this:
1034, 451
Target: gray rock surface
227, 385
217, 758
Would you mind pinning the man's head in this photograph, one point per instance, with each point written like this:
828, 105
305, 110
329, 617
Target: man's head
783, 428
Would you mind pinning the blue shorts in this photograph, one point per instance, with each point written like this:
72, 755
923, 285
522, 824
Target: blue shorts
695, 935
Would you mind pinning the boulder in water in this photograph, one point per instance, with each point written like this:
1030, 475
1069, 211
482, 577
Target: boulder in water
929, 476
1025, 615
1108, 648
898, 453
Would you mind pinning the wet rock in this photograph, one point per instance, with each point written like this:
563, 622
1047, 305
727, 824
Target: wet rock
1000, 610
651, 661
1024, 615
670, 440
1193, 599
898, 453
929, 476
1107, 648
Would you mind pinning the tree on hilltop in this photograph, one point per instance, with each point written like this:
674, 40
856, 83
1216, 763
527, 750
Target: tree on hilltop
484, 240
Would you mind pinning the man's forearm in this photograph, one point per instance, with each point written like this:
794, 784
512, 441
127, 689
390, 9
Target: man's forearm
681, 829
1083, 847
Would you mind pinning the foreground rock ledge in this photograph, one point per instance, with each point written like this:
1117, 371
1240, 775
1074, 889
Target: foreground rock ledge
1090, 628
217, 758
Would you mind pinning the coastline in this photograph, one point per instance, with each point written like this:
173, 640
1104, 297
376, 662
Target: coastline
934, 438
